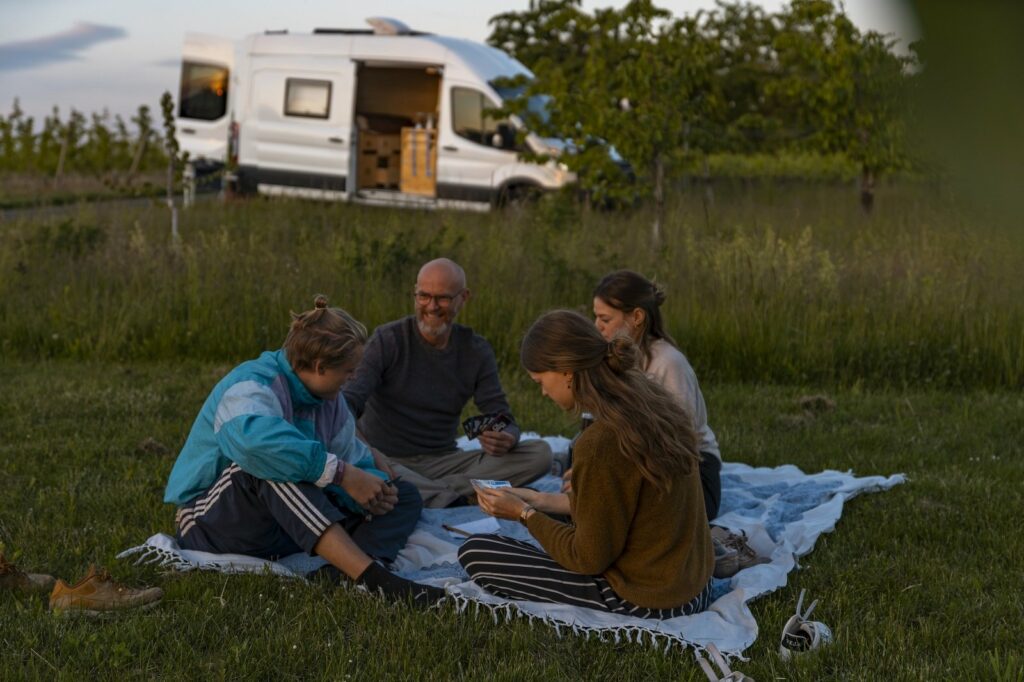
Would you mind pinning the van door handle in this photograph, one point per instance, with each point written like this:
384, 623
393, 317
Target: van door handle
189, 131
335, 140
449, 148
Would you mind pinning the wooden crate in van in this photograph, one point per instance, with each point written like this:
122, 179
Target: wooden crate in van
419, 161
379, 159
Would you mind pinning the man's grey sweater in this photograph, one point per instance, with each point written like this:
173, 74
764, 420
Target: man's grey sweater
409, 396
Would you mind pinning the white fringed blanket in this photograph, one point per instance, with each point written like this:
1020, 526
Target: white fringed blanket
782, 510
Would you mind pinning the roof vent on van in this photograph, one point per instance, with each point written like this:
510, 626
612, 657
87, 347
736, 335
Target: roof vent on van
386, 26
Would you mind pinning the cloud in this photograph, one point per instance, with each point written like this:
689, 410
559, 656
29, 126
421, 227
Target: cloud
169, 63
59, 47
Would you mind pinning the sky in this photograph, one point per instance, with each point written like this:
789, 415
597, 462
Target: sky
117, 54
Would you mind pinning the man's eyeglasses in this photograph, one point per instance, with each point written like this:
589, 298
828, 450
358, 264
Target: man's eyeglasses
443, 300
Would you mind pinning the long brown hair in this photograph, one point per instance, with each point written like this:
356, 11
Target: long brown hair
626, 290
327, 334
651, 429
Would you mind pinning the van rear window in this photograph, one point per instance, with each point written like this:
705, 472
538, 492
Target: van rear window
204, 91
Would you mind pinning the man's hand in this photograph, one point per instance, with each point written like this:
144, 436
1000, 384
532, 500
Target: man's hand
381, 461
369, 491
499, 502
567, 480
497, 443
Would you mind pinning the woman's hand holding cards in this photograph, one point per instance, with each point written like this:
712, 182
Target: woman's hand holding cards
500, 502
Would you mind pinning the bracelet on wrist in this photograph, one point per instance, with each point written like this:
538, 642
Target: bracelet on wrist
525, 513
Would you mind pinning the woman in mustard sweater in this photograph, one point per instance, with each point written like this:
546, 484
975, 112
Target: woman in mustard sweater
639, 542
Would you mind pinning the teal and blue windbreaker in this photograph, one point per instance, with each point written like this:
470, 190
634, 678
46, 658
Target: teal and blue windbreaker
263, 419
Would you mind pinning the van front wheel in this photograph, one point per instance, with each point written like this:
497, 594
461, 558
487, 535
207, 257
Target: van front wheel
518, 196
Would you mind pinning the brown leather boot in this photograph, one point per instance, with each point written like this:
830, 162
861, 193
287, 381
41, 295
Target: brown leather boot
97, 594
13, 578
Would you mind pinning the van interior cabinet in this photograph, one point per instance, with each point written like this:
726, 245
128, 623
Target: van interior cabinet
419, 161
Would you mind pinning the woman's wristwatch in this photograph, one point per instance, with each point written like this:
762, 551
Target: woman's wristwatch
525, 513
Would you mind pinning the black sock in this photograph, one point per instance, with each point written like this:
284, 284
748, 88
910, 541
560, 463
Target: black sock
376, 577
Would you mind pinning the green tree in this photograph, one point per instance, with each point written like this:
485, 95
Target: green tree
844, 91
640, 81
8, 144
172, 148
24, 140
143, 121
49, 142
549, 33
744, 63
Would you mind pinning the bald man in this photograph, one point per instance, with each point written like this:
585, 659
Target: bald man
415, 378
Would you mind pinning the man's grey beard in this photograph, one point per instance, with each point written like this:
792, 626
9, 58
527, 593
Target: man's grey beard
433, 330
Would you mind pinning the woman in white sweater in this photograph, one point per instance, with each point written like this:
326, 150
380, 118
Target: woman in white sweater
628, 303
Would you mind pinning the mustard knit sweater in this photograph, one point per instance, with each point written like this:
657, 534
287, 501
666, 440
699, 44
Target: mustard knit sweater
653, 548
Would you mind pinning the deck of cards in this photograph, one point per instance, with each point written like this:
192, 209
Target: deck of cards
496, 421
488, 483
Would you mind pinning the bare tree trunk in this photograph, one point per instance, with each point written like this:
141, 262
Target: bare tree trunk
140, 149
170, 197
867, 189
60, 160
709, 193
188, 186
659, 200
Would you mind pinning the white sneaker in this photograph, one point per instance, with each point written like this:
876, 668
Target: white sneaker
728, 675
801, 635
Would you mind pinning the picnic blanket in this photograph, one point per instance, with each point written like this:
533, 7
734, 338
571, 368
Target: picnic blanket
782, 510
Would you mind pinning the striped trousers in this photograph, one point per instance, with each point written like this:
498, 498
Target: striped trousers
517, 570
242, 514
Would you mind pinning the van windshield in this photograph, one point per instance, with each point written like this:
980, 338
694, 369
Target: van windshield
204, 91
537, 105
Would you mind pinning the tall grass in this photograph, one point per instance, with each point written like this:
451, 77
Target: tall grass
766, 283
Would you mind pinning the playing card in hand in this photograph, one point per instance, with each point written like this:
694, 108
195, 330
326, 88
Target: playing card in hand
494, 421
500, 422
474, 426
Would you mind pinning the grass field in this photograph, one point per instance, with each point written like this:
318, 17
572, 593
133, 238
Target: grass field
773, 283
912, 321
922, 582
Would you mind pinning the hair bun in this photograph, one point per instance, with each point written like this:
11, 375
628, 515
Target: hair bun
622, 354
659, 293
319, 302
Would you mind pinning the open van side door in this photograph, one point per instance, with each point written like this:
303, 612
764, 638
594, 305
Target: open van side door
205, 96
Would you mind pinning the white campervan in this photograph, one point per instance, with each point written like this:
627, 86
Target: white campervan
381, 116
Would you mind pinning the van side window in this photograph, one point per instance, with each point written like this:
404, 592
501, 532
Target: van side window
204, 91
307, 98
470, 122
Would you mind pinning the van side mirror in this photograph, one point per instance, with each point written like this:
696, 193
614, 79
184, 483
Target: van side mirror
505, 137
